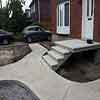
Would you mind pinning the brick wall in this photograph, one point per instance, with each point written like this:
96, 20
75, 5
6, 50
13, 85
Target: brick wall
46, 23
76, 18
45, 8
97, 20
45, 13
53, 15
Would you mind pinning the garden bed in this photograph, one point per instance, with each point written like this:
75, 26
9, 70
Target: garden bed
13, 53
80, 69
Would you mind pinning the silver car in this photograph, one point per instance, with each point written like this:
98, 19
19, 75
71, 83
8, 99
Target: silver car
36, 33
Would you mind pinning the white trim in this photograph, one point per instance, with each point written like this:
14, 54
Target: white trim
87, 21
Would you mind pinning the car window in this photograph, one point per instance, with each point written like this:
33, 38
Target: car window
41, 29
35, 29
2, 32
38, 29
31, 29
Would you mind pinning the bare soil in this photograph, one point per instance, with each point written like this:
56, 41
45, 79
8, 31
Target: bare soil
80, 69
13, 53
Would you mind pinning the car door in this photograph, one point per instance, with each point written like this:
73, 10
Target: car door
42, 34
33, 33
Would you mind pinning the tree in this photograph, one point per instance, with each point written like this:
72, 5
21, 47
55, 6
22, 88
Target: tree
3, 17
16, 21
12, 17
0, 4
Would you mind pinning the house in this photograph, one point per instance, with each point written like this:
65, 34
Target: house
40, 12
77, 18
27, 12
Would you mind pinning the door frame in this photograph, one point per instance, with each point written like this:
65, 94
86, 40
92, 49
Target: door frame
62, 29
84, 22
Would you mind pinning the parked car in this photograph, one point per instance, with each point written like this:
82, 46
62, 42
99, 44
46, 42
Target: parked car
36, 33
5, 37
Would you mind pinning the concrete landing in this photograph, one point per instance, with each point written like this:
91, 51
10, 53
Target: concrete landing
77, 45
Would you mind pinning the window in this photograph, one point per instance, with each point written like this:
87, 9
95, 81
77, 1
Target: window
92, 6
2, 32
35, 29
63, 14
31, 29
66, 17
61, 17
38, 29
88, 7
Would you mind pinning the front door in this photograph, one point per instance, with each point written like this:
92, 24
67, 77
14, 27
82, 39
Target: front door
63, 17
87, 19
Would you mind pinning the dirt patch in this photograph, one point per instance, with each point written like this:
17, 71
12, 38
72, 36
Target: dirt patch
47, 44
80, 69
55, 37
15, 90
12, 53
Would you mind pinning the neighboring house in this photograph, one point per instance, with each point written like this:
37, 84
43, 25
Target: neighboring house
27, 12
79, 18
40, 12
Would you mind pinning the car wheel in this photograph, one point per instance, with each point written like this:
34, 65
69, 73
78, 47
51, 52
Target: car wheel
29, 39
5, 41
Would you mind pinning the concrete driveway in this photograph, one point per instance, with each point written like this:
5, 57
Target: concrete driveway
44, 82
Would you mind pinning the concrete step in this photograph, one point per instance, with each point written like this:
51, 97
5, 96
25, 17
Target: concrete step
50, 61
55, 55
61, 50
64, 44
43, 62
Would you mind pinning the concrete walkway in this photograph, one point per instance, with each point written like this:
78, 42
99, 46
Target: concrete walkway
45, 83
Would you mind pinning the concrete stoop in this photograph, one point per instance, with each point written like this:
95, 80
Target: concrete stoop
55, 57
62, 50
